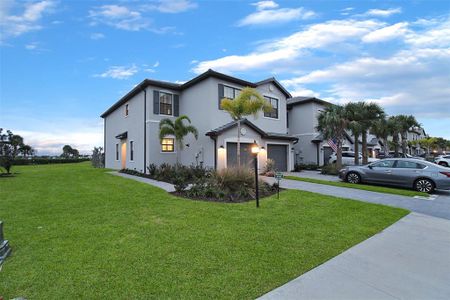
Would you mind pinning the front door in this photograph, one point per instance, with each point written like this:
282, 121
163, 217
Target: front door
124, 155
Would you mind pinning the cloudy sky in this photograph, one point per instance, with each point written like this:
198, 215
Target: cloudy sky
65, 62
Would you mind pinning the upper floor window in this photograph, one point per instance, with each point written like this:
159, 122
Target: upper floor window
165, 104
168, 145
227, 92
274, 112
126, 110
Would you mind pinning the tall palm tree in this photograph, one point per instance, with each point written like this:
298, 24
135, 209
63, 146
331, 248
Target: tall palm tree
249, 102
371, 112
405, 123
382, 129
332, 123
354, 112
395, 132
178, 129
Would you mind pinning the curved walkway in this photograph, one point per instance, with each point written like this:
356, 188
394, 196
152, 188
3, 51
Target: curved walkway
437, 205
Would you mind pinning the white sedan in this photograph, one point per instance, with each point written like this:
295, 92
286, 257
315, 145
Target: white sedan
348, 158
443, 160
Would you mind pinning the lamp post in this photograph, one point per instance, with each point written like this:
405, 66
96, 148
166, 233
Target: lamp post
255, 151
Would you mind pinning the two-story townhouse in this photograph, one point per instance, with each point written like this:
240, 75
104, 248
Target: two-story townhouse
131, 125
414, 135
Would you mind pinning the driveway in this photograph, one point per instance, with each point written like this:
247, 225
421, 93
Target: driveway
437, 205
408, 260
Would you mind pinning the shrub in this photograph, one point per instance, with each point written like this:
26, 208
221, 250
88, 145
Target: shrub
270, 166
152, 169
98, 157
46, 160
300, 167
330, 169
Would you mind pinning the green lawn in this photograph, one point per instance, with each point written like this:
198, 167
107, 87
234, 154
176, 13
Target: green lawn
366, 187
80, 233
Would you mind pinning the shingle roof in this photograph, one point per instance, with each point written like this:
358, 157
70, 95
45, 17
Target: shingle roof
302, 100
273, 135
179, 87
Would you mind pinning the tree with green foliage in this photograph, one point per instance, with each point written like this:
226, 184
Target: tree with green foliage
382, 129
10, 146
332, 123
405, 123
249, 102
26, 150
427, 143
178, 129
354, 113
371, 113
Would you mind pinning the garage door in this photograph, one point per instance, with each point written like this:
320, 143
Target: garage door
278, 153
246, 155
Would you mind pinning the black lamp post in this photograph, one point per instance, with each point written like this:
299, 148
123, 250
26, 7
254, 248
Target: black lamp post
255, 151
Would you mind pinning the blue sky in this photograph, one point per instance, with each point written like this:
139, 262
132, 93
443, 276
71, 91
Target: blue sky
65, 62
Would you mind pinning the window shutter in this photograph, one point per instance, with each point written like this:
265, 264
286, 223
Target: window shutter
221, 93
156, 102
176, 105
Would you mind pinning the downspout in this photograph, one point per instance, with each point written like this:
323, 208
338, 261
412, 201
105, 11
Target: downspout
145, 130
215, 153
317, 153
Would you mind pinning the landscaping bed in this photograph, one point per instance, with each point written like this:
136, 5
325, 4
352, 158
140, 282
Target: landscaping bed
79, 233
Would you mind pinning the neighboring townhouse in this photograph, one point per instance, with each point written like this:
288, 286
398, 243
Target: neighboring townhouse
131, 125
302, 122
414, 135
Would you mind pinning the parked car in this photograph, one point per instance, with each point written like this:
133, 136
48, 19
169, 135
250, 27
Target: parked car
443, 160
391, 154
422, 176
348, 158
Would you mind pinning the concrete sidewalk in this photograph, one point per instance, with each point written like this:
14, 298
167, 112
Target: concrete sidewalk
161, 184
408, 260
313, 175
437, 206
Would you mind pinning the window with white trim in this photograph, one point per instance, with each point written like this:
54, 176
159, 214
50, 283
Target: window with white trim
168, 145
165, 104
274, 112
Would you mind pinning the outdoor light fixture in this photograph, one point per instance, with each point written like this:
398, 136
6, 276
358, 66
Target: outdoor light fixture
221, 147
255, 151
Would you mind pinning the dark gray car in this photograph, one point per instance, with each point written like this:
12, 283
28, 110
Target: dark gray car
420, 175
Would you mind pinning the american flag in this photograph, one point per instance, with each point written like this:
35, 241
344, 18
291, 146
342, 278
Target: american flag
332, 143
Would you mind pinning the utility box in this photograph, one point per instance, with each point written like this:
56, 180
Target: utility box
5, 250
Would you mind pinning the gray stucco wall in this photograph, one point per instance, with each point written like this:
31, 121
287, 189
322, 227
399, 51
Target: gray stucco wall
200, 104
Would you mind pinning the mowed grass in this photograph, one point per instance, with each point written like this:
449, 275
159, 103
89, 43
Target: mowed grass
366, 187
80, 233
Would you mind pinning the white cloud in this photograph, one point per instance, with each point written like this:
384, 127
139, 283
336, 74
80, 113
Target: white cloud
265, 5
119, 17
119, 72
436, 34
267, 12
173, 6
289, 48
27, 20
156, 64
383, 12
411, 81
386, 33
97, 36
31, 46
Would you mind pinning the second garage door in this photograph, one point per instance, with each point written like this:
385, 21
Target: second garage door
278, 153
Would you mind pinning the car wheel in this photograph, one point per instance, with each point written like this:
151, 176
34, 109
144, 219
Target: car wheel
424, 185
443, 163
353, 177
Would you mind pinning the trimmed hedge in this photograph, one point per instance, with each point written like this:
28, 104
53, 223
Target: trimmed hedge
46, 161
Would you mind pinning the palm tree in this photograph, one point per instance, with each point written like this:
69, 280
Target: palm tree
354, 112
382, 129
249, 102
177, 129
332, 123
395, 132
405, 123
371, 112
